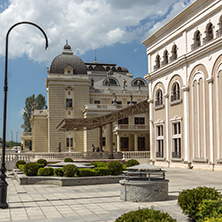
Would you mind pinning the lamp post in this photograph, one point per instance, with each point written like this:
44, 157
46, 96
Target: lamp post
3, 183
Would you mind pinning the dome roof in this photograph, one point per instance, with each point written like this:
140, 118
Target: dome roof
67, 58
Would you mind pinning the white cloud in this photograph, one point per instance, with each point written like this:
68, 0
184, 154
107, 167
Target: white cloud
21, 112
87, 24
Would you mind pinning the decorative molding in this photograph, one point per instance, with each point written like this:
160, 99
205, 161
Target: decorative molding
209, 80
150, 100
185, 88
166, 96
176, 119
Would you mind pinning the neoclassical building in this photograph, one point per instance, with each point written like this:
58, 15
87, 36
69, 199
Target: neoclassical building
83, 90
185, 88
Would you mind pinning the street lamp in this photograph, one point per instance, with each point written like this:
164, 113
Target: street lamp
3, 183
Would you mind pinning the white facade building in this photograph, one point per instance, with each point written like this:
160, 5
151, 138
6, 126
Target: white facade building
185, 88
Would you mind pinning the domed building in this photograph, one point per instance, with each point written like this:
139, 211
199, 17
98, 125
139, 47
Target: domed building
77, 90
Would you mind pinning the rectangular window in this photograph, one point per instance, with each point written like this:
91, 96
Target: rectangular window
133, 102
159, 142
141, 143
96, 101
176, 137
124, 143
118, 102
68, 102
139, 120
104, 141
69, 140
124, 121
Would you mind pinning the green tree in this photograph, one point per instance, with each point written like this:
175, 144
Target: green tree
39, 103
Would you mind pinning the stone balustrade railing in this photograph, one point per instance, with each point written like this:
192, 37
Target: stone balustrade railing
136, 154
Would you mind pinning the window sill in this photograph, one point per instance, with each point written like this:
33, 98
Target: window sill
160, 159
159, 107
177, 159
200, 160
219, 161
69, 108
176, 102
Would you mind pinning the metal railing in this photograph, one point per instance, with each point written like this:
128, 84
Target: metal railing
176, 154
159, 154
157, 66
195, 45
136, 154
173, 57
175, 97
208, 38
219, 32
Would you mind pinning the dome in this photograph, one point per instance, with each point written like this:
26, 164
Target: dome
67, 58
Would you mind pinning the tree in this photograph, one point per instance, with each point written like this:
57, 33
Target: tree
39, 103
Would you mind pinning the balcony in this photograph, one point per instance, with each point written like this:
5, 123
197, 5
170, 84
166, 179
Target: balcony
126, 127
176, 154
164, 62
208, 38
195, 45
26, 135
219, 32
159, 154
173, 57
157, 66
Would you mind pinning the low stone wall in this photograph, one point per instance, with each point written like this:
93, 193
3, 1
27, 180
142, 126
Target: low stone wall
144, 191
66, 181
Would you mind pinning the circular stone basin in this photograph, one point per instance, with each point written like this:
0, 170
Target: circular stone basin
144, 183
144, 191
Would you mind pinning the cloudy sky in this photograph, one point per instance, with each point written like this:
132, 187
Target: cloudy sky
115, 28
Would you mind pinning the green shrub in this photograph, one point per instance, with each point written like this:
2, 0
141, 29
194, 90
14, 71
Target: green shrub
145, 215
99, 164
41, 165
115, 167
20, 162
31, 169
85, 172
48, 171
188, 200
42, 161
209, 208
21, 167
124, 166
132, 162
68, 160
214, 219
58, 172
101, 171
69, 170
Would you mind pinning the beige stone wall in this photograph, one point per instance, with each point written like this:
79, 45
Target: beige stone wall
40, 134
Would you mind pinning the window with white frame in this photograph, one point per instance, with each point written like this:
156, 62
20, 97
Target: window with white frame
159, 142
176, 140
159, 98
175, 93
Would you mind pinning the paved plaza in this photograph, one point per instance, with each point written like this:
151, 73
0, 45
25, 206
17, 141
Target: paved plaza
95, 202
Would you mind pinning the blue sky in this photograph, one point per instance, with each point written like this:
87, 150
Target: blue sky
114, 28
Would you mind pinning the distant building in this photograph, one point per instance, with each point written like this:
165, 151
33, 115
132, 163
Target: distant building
81, 90
185, 88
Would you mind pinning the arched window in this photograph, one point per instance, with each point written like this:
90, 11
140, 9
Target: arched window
138, 82
165, 58
174, 53
209, 33
159, 98
110, 82
175, 93
157, 63
196, 39
219, 31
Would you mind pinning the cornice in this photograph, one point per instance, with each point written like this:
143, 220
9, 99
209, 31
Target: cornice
213, 44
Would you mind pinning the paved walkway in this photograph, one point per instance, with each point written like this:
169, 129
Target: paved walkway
95, 202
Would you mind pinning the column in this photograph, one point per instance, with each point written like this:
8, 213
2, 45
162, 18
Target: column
210, 81
135, 142
110, 125
198, 118
186, 136
218, 115
167, 127
118, 142
152, 148
100, 137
